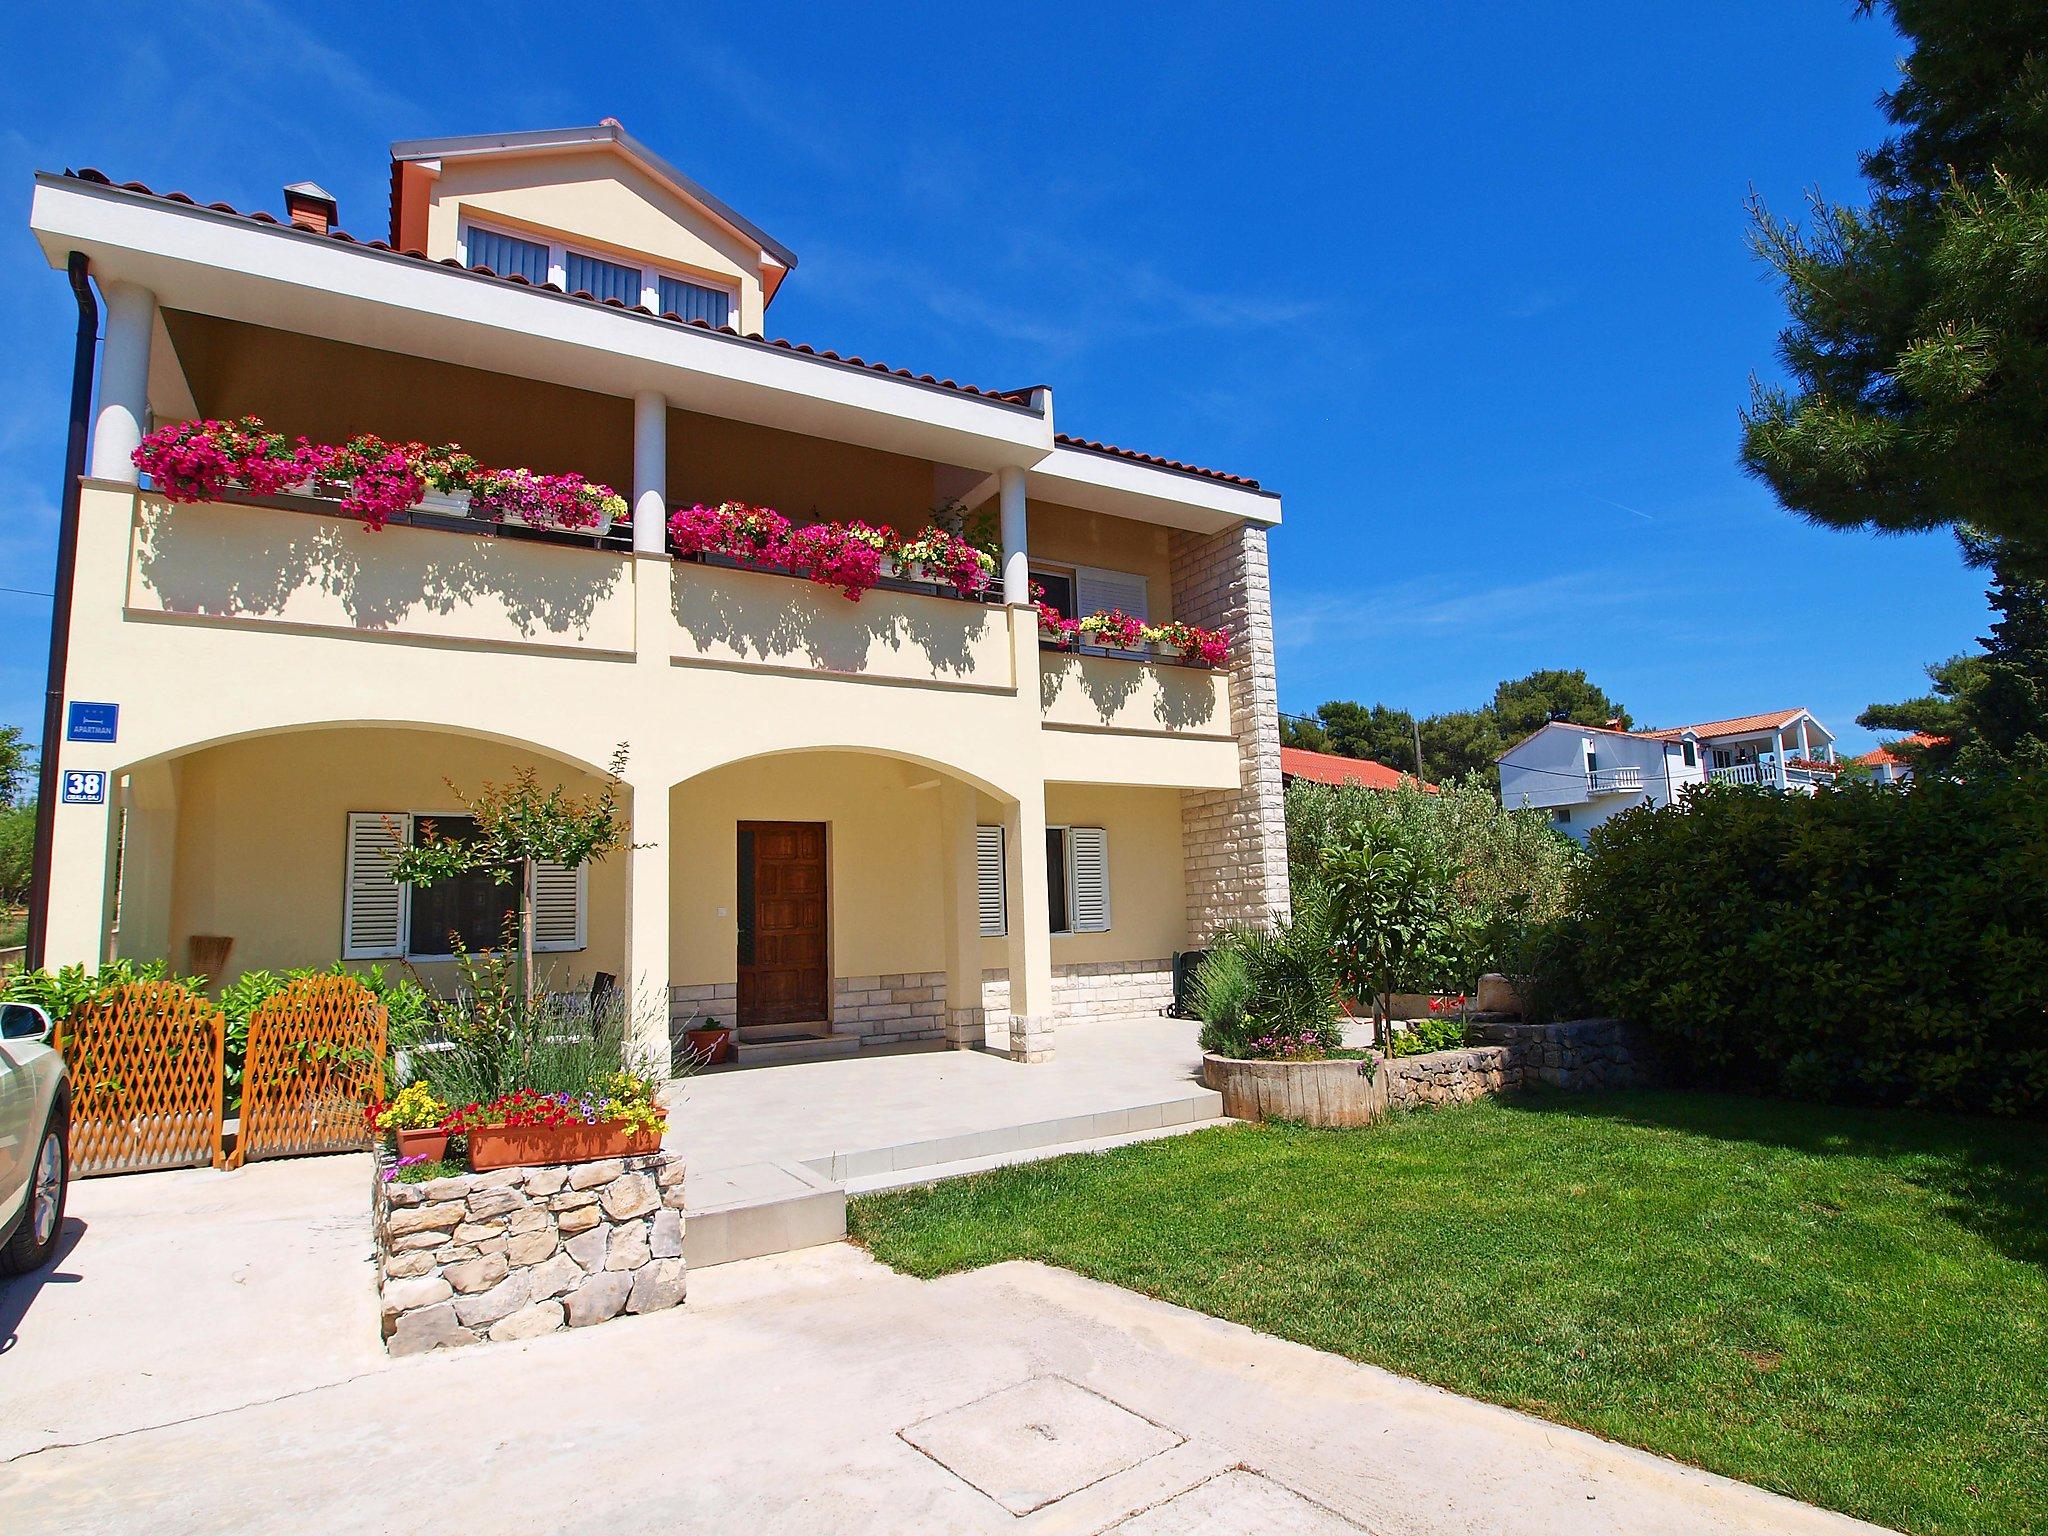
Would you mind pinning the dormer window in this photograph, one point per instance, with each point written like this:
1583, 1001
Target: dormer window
602, 277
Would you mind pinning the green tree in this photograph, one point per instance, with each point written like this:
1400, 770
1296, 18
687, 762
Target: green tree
1918, 344
1525, 704
17, 850
1459, 743
17, 765
519, 825
1375, 733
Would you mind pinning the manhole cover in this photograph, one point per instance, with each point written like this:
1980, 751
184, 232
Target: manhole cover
1233, 1503
1029, 1445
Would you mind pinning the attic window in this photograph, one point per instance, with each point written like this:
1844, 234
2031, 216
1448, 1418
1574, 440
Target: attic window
508, 256
693, 301
603, 279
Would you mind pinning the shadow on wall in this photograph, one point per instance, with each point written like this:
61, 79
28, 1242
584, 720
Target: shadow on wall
1182, 697
778, 619
232, 565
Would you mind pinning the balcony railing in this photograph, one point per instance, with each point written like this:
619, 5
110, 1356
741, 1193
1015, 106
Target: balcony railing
1767, 773
1614, 781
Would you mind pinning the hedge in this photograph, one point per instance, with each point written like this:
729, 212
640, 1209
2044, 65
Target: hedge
1864, 943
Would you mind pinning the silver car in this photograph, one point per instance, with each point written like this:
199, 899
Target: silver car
35, 1151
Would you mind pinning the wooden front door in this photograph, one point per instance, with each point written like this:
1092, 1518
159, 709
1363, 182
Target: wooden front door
782, 922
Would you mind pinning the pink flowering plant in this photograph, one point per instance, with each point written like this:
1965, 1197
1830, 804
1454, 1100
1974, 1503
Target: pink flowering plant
1209, 647
951, 559
1052, 624
835, 556
199, 460
565, 503
751, 535
1114, 629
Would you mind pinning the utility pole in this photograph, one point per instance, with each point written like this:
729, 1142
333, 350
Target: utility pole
1417, 726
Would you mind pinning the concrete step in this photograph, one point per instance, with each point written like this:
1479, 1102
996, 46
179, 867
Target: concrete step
759, 1209
1192, 1105
774, 1032
769, 1053
912, 1178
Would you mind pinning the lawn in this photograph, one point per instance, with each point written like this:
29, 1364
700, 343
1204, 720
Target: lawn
1849, 1307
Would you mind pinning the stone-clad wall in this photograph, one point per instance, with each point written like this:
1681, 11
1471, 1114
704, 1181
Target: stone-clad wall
1097, 990
520, 1252
885, 1010
1235, 840
1451, 1077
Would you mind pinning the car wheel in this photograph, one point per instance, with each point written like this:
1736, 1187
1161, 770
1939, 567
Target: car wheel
35, 1240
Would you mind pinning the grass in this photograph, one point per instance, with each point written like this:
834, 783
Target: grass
1849, 1307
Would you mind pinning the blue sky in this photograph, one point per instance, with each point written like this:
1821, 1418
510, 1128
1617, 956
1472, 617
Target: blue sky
1466, 282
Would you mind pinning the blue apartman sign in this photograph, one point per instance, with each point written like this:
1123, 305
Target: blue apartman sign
85, 721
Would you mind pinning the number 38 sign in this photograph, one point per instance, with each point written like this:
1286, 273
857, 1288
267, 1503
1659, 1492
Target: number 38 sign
84, 787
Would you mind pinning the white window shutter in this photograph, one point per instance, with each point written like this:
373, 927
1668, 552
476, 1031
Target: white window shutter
558, 906
1088, 877
374, 906
1098, 591
988, 881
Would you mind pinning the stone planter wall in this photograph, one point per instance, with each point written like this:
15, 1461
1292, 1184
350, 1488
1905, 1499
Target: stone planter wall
1583, 1054
520, 1252
1343, 1091
1451, 1077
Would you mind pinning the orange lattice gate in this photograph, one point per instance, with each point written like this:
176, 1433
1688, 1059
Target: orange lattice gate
316, 1058
145, 1064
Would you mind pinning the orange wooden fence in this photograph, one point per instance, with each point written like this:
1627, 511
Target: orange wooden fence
145, 1064
315, 1058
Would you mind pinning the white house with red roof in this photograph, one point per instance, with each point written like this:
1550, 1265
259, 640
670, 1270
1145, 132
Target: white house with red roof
1584, 775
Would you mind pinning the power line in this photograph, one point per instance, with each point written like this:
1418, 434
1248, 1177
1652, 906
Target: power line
24, 592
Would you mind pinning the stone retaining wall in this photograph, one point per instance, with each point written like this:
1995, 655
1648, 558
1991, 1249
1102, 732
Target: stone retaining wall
1451, 1077
885, 1010
1583, 1054
520, 1252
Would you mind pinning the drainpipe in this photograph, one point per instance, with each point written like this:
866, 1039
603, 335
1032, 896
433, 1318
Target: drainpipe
82, 359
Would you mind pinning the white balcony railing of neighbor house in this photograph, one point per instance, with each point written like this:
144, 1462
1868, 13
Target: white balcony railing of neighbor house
1614, 781
1767, 773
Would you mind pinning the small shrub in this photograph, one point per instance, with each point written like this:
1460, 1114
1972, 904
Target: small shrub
1442, 1033
1272, 993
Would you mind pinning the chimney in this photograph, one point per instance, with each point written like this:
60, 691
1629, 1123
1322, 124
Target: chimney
310, 206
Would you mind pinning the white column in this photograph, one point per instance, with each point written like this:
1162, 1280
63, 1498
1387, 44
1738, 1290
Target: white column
1805, 749
966, 1022
1778, 756
1030, 945
646, 980
650, 472
123, 414
1016, 556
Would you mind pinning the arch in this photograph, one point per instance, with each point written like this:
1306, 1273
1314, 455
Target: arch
995, 792
299, 728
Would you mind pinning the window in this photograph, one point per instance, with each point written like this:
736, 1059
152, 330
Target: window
1692, 755
508, 256
1098, 591
1077, 879
472, 906
602, 279
1562, 815
1592, 759
1059, 589
383, 920
989, 882
693, 301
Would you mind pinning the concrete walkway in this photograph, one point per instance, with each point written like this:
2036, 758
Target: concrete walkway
203, 1360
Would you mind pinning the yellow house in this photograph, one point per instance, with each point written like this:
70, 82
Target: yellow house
859, 822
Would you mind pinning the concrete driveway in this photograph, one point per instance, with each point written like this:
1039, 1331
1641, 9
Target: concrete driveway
204, 1359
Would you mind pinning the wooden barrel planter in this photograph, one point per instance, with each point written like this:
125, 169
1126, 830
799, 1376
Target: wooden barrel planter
1341, 1091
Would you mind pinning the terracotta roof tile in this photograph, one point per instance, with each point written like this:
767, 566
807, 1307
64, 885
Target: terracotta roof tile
1005, 396
1331, 768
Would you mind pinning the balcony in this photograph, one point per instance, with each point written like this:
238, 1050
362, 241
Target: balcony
1614, 781
1803, 775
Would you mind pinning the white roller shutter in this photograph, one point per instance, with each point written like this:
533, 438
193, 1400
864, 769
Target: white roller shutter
1088, 879
558, 906
988, 881
1098, 591
373, 904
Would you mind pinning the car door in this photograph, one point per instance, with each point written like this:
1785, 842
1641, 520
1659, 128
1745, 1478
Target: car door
19, 1125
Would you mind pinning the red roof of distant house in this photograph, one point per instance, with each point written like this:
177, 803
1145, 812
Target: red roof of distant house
1329, 768
1880, 757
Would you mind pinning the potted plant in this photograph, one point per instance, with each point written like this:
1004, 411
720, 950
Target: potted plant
618, 1117
834, 555
559, 503
197, 460
710, 1042
416, 1120
1188, 642
1114, 629
938, 555
450, 476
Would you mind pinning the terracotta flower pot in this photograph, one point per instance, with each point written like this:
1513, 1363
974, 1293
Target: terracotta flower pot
710, 1046
520, 1146
431, 1143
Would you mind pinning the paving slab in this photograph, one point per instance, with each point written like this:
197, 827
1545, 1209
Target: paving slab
780, 1399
